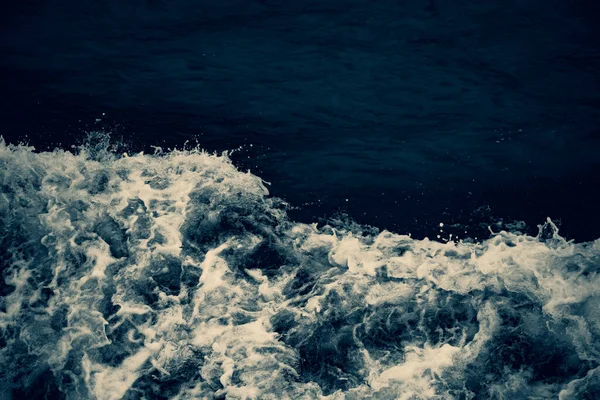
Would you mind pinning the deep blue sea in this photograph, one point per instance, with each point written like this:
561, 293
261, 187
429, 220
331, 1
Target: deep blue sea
330, 199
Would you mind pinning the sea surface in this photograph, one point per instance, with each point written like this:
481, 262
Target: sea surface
300, 200
402, 114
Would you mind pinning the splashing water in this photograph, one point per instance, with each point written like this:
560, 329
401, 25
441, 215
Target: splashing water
176, 276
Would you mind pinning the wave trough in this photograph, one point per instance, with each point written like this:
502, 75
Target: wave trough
176, 276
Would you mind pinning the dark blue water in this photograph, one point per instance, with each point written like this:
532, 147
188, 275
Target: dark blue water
414, 111
176, 274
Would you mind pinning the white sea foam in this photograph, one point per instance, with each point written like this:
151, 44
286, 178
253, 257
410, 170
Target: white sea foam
177, 276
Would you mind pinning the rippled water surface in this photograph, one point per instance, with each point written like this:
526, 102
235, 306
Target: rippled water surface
344, 204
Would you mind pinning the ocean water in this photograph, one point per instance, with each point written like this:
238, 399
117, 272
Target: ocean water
175, 275
402, 114
351, 199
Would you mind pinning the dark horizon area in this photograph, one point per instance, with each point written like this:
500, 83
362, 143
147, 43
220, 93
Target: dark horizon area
402, 114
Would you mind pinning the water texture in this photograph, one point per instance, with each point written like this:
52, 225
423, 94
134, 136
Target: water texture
177, 276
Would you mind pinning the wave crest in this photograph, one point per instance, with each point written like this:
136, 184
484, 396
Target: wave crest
176, 276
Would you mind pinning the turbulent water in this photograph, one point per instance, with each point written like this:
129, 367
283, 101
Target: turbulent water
176, 276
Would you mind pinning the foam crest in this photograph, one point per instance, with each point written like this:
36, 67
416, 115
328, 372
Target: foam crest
176, 276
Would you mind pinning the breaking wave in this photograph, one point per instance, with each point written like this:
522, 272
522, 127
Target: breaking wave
176, 276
